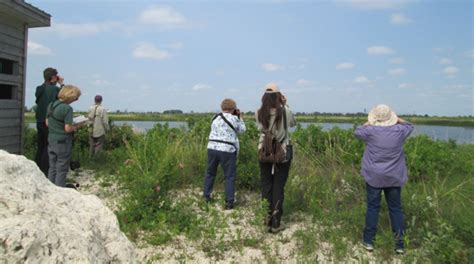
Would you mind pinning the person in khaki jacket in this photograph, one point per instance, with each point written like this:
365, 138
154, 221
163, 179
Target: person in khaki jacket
99, 126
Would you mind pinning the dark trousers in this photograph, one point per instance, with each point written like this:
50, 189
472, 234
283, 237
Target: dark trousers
393, 198
228, 162
41, 158
273, 185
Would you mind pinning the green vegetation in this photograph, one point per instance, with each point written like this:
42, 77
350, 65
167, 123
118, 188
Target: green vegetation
160, 176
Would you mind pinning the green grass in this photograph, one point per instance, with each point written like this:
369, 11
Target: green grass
324, 186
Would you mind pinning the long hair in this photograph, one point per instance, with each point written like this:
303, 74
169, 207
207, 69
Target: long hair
269, 101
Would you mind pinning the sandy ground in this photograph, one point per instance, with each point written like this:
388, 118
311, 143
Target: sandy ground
280, 248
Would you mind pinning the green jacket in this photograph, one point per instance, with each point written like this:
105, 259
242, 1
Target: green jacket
45, 94
60, 114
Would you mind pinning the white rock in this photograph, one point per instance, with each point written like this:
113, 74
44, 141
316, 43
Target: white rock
43, 223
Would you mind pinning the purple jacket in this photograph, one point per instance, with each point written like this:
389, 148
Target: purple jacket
383, 163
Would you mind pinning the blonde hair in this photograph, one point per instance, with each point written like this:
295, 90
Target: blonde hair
69, 93
228, 105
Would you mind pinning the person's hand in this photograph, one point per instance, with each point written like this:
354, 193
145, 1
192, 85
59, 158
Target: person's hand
60, 80
241, 115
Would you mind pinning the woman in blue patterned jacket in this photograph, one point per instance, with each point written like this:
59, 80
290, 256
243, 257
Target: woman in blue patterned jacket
222, 148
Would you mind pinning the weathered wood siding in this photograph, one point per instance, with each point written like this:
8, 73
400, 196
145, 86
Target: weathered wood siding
12, 47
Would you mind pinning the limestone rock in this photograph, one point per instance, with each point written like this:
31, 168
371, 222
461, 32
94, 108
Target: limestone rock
43, 223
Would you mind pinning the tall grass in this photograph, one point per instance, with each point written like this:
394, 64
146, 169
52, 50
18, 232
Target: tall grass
153, 170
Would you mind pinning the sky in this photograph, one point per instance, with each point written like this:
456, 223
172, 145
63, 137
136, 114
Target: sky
341, 56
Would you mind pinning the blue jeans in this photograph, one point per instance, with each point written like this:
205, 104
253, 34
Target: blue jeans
228, 162
393, 198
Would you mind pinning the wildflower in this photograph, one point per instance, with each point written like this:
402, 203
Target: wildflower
157, 188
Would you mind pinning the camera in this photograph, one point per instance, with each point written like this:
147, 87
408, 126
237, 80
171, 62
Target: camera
74, 165
236, 112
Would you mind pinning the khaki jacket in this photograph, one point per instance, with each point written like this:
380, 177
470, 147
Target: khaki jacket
99, 120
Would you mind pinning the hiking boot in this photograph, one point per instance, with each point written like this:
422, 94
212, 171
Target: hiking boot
368, 247
400, 251
229, 206
276, 230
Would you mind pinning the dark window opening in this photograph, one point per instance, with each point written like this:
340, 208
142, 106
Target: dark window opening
6, 66
7, 91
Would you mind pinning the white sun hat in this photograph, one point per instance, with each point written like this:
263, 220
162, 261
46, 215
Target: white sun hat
382, 115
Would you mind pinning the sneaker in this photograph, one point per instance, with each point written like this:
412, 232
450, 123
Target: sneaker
368, 247
400, 251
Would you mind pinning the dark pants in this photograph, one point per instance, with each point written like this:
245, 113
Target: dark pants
273, 189
393, 198
228, 162
41, 158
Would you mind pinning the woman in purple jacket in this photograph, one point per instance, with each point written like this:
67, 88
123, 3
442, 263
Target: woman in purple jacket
384, 169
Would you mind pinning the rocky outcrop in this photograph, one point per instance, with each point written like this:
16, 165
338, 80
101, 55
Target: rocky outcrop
43, 223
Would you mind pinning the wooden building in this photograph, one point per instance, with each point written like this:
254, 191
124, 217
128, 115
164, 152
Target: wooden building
16, 17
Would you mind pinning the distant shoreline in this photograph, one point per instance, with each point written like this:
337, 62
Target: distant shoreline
436, 121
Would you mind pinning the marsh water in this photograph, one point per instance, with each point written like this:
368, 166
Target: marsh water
462, 135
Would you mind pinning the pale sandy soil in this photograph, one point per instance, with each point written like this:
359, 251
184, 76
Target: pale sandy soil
279, 248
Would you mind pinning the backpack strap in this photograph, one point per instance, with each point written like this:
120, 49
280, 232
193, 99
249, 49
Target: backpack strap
285, 124
222, 141
51, 110
230, 125
225, 120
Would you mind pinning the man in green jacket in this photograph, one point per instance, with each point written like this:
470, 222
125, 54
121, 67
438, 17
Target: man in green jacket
45, 94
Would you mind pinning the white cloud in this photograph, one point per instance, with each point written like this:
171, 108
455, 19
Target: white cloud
345, 66
38, 49
66, 30
397, 71
164, 17
380, 50
406, 85
397, 60
270, 67
147, 50
469, 53
375, 4
303, 82
201, 87
399, 19
450, 71
362, 80
445, 61
177, 45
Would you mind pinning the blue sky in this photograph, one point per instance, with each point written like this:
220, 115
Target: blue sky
327, 56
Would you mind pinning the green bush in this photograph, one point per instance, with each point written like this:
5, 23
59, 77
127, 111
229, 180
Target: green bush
324, 183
